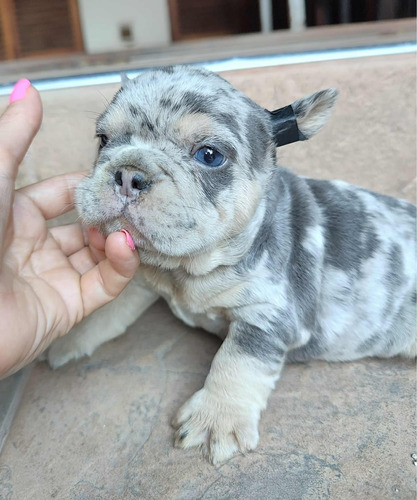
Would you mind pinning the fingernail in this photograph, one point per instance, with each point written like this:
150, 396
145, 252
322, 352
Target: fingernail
19, 90
129, 239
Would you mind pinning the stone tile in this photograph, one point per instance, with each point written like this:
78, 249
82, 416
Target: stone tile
100, 428
11, 391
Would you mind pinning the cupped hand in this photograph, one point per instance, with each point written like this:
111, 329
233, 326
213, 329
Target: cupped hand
50, 279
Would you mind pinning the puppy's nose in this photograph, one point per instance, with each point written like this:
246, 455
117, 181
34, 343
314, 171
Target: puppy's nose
131, 183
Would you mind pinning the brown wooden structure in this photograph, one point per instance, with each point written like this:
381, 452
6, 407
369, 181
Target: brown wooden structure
39, 28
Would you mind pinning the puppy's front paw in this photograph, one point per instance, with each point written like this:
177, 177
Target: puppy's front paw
79, 342
219, 426
64, 350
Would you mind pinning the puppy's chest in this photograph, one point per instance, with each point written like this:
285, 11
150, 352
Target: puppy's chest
199, 301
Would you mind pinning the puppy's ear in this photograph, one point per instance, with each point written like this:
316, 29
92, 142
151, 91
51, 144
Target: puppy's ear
125, 79
313, 111
303, 118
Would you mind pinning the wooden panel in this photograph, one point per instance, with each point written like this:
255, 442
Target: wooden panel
194, 19
43, 25
9, 44
352, 11
2, 42
76, 25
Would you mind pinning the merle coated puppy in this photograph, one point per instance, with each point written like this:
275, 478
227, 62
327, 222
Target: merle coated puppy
279, 266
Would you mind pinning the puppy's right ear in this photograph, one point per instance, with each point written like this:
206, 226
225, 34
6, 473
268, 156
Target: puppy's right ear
125, 79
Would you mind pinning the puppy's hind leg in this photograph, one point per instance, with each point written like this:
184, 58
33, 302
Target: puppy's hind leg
105, 324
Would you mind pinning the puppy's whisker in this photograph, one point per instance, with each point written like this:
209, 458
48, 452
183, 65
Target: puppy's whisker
107, 102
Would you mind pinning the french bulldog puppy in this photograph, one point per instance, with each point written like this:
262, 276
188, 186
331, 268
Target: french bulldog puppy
279, 266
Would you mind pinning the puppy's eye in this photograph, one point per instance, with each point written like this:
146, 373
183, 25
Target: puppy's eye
103, 140
209, 157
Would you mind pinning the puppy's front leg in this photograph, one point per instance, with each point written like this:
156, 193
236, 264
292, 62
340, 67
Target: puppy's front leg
223, 416
103, 325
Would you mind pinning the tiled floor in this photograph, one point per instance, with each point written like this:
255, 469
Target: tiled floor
99, 428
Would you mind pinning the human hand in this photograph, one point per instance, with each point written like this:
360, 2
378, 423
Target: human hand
50, 279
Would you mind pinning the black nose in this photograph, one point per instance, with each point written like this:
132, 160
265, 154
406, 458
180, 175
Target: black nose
131, 183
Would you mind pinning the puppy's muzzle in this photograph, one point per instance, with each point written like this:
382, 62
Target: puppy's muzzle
130, 183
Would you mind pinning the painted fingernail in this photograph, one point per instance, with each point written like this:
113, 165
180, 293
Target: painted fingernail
19, 90
129, 239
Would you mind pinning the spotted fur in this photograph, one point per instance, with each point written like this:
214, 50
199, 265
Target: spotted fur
281, 267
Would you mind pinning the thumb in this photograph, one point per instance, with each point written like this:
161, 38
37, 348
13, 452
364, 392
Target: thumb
109, 277
18, 126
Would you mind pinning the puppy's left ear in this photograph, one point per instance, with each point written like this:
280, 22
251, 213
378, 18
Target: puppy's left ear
303, 118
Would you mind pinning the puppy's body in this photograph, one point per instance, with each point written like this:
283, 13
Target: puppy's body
281, 267
339, 260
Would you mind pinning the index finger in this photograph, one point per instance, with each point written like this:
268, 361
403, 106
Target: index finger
54, 196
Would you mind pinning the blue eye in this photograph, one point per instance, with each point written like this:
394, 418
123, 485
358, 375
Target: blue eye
209, 157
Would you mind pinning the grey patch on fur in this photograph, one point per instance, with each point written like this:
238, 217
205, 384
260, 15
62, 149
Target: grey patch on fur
195, 103
315, 348
258, 343
394, 203
134, 111
349, 235
258, 137
303, 267
165, 102
214, 180
394, 276
186, 224
369, 343
147, 124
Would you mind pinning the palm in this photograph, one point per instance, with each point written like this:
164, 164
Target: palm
50, 278
40, 282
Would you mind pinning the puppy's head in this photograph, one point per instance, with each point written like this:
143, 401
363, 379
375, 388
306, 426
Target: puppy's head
183, 161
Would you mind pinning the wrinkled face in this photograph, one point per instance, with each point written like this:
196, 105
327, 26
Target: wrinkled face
182, 164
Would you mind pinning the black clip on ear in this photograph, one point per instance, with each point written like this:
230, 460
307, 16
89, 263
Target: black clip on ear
285, 128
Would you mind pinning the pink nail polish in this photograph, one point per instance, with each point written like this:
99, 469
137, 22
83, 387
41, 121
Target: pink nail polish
19, 90
129, 239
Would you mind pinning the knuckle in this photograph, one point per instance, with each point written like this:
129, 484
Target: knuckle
7, 159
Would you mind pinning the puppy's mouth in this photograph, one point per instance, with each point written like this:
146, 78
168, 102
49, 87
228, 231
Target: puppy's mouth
139, 239
119, 218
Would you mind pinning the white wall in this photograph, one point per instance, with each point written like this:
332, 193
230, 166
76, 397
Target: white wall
101, 21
